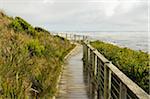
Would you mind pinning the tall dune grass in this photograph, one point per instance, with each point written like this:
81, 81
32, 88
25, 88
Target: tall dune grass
30, 60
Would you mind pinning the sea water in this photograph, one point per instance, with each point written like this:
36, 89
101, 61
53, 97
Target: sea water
133, 40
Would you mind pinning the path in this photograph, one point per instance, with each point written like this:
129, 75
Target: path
72, 83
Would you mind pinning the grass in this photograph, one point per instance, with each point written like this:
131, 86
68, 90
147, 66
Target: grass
135, 64
30, 59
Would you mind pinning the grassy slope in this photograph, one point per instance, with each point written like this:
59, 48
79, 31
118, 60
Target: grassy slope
135, 64
30, 59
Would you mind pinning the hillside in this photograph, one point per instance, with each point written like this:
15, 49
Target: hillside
30, 59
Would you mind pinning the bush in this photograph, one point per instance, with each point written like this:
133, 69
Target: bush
135, 64
16, 26
35, 48
20, 25
39, 29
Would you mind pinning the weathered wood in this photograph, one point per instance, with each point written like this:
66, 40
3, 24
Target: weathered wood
99, 82
88, 55
106, 81
123, 91
97, 75
95, 65
109, 84
139, 92
109, 68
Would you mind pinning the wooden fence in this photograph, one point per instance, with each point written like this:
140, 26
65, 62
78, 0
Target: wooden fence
106, 81
72, 37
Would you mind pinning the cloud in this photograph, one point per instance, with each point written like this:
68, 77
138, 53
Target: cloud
81, 14
49, 1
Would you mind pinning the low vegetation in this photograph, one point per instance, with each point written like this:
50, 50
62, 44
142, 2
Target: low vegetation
135, 64
30, 59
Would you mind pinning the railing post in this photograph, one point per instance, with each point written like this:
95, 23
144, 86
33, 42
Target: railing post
85, 57
74, 37
89, 71
70, 37
95, 74
109, 84
88, 59
79, 37
95, 71
92, 73
84, 52
99, 94
123, 91
107, 81
83, 37
66, 35
86, 37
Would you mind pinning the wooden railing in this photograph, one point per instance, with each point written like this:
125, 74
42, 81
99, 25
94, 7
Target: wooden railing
72, 37
106, 81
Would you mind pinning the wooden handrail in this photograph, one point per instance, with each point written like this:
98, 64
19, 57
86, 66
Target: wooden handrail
126, 84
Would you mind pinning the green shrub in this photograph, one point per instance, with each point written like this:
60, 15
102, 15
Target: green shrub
60, 38
39, 29
20, 25
16, 26
35, 48
135, 64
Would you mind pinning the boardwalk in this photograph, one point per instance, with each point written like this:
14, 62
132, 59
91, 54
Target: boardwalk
72, 83
103, 79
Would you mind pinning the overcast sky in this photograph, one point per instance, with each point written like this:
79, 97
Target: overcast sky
81, 15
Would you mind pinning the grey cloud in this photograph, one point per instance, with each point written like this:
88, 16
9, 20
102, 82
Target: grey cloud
77, 15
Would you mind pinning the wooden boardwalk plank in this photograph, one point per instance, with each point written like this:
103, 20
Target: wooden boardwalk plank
72, 84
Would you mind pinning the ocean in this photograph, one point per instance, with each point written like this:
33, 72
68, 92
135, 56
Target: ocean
133, 40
